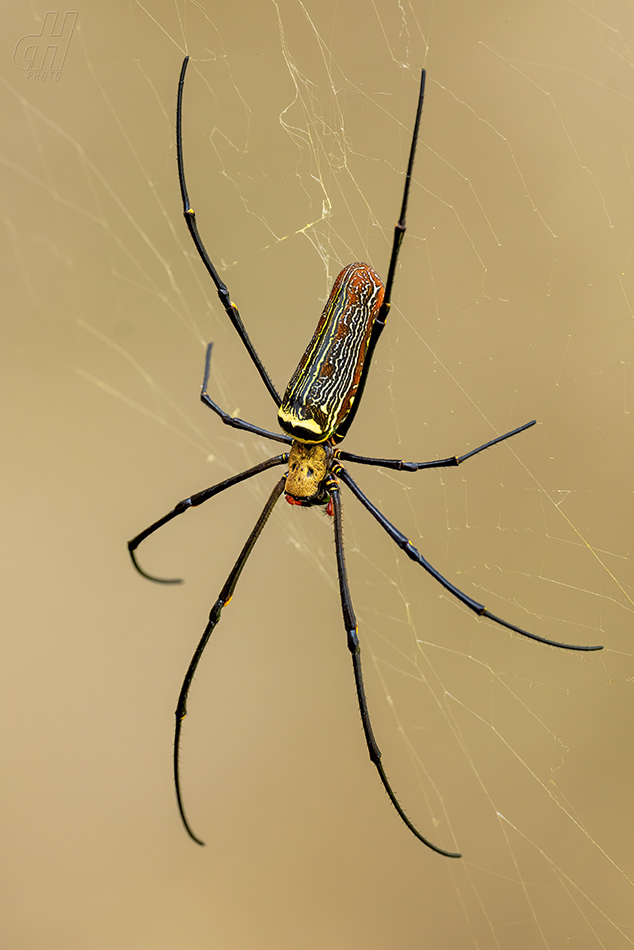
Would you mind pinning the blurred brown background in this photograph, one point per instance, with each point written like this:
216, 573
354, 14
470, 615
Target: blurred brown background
513, 301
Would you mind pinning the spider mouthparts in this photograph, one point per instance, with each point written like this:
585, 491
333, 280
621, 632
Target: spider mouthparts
293, 501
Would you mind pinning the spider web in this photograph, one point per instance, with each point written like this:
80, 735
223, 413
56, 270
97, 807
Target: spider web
512, 302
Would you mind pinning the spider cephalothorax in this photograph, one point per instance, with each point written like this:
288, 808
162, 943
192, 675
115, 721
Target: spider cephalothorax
308, 467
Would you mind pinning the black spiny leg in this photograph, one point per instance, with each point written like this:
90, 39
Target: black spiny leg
193, 502
214, 616
437, 463
350, 623
399, 233
233, 421
399, 538
399, 230
190, 218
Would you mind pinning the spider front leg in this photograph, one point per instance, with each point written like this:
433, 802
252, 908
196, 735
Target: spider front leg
405, 544
193, 502
350, 623
214, 616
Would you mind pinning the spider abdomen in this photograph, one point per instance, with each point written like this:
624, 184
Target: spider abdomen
323, 388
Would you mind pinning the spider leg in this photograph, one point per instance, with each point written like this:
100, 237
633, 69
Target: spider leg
437, 463
399, 232
190, 218
193, 502
399, 538
350, 623
232, 421
214, 616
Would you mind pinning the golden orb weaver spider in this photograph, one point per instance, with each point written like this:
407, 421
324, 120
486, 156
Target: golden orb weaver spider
318, 407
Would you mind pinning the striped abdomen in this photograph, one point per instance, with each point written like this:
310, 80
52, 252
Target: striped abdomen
323, 388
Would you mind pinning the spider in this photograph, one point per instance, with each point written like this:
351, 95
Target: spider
319, 406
